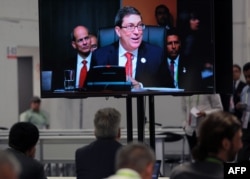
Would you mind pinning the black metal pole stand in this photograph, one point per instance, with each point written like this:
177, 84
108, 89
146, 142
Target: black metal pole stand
152, 121
129, 119
140, 118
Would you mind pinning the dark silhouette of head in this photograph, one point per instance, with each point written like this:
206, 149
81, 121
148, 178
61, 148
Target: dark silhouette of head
23, 136
163, 16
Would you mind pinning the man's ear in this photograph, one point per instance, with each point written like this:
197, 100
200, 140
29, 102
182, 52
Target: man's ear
117, 30
226, 144
31, 152
119, 134
73, 43
150, 169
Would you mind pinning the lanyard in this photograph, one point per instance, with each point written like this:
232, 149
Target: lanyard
213, 160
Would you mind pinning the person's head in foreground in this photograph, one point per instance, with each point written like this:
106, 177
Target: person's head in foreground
220, 137
107, 123
23, 137
135, 159
9, 168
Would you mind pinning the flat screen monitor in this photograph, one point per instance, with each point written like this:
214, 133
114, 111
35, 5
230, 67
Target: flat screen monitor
203, 63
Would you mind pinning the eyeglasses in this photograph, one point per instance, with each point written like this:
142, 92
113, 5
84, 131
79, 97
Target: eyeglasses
131, 27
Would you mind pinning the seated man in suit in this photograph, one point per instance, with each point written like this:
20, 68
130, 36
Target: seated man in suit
134, 161
141, 60
23, 137
219, 142
185, 71
97, 160
80, 41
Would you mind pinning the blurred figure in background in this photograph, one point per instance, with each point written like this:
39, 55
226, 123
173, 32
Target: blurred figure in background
189, 25
93, 42
244, 106
195, 108
238, 86
196, 44
163, 16
35, 115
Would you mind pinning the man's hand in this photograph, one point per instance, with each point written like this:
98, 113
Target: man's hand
135, 84
201, 114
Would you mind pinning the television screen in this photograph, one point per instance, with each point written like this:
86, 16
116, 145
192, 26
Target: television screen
173, 50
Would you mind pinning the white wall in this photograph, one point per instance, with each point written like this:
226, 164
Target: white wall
19, 27
240, 32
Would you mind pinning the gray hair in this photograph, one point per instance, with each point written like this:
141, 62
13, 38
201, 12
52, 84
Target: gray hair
107, 123
136, 156
8, 159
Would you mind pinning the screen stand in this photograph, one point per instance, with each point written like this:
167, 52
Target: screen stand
141, 119
129, 119
152, 121
81, 114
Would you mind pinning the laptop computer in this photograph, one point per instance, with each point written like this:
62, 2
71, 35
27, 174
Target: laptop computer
157, 168
107, 78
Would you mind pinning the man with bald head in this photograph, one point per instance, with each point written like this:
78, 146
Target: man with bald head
80, 41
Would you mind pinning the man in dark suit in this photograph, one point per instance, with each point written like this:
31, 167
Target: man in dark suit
238, 86
80, 41
141, 60
97, 160
23, 137
229, 101
185, 71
